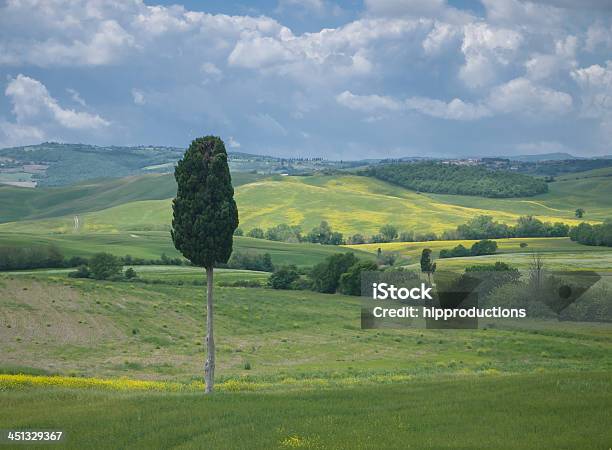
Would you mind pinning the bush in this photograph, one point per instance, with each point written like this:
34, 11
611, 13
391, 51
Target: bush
238, 232
325, 276
31, 257
323, 234
105, 266
130, 273
284, 233
356, 239
588, 234
455, 252
251, 261
484, 247
82, 272
350, 281
284, 277
256, 233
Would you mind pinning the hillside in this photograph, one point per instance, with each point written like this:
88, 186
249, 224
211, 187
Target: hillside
24, 203
351, 204
440, 178
150, 245
55, 164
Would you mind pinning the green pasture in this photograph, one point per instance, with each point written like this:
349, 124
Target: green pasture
351, 204
150, 245
560, 410
59, 325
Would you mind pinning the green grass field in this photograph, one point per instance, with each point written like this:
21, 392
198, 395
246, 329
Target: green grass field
103, 329
351, 204
557, 253
565, 411
150, 245
314, 379
294, 368
91, 195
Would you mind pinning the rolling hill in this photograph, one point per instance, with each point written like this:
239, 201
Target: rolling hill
92, 195
351, 204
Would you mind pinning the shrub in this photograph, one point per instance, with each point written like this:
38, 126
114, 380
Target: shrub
284, 277
251, 261
256, 233
130, 273
82, 272
104, 266
325, 276
350, 281
483, 247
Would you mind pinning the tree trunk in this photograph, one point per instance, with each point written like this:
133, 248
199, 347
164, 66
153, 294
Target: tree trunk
209, 365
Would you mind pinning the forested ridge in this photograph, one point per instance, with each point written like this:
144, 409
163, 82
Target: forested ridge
440, 178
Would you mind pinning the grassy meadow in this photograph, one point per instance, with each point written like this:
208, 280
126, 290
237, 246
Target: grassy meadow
351, 204
563, 411
118, 364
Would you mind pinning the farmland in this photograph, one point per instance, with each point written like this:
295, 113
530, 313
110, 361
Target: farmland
294, 365
351, 204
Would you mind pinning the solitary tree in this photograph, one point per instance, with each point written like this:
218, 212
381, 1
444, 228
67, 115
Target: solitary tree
204, 220
580, 213
427, 265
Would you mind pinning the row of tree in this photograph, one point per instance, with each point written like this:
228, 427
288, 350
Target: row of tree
321, 234
480, 227
587, 234
482, 247
337, 273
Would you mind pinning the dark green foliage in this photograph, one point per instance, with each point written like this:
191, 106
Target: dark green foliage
587, 234
104, 266
580, 213
455, 179
484, 227
256, 233
356, 239
15, 258
130, 273
388, 232
82, 272
325, 276
284, 233
284, 277
323, 234
484, 247
427, 264
251, 261
523, 245
455, 252
205, 213
238, 232
350, 281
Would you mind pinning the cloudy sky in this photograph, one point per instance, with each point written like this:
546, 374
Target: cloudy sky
339, 79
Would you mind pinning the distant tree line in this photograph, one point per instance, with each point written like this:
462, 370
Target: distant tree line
480, 227
587, 234
442, 178
483, 247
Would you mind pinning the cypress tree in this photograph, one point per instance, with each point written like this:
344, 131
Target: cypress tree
204, 219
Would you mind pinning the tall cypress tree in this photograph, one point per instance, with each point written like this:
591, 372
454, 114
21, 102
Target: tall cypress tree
204, 219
